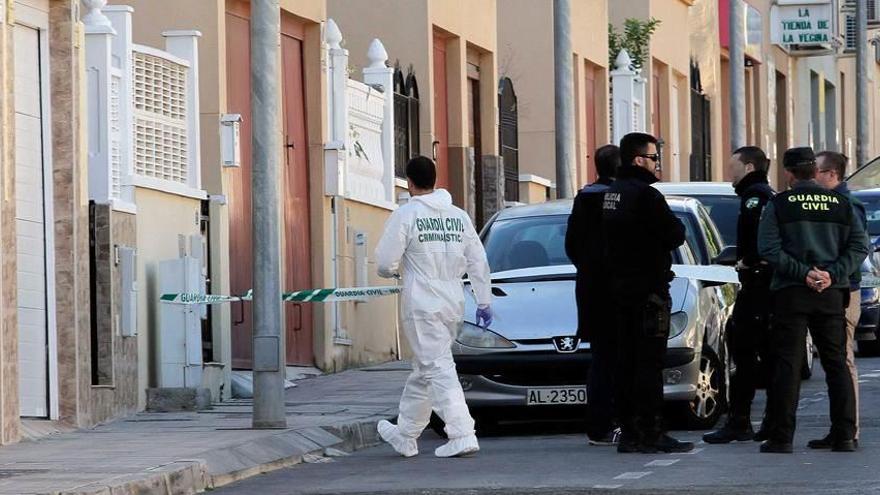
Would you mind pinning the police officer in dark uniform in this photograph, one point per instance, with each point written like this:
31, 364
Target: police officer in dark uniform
814, 242
640, 233
751, 314
585, 247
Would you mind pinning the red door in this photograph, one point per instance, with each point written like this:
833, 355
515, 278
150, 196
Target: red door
238, 90
296, 225
297, 240
590, 112
441, 117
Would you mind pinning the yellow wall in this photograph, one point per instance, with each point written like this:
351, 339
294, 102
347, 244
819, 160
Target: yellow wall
525, 44
161, 219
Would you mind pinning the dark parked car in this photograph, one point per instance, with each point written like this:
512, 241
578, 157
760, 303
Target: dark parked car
868, 331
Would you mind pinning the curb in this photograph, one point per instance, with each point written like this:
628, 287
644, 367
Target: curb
220, 467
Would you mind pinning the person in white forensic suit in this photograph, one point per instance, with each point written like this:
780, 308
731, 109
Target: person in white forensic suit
431, 244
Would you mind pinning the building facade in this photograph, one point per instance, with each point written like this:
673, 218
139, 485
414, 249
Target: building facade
526, 54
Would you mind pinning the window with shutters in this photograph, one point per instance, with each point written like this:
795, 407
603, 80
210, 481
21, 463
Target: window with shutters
160, 134
165, 131
850, 32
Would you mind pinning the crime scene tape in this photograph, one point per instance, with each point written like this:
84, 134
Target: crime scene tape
309, 295
707, 273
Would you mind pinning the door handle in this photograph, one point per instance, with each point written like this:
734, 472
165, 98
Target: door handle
299, 317
434, 146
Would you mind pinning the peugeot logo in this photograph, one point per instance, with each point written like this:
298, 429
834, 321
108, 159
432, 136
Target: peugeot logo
566, 344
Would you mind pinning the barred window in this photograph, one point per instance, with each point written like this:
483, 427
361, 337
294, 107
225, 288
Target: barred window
406, 120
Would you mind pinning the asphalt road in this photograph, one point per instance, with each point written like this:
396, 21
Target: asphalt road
537, 458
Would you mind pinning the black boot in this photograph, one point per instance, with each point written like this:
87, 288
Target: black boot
670, 445
735, 430
771, 447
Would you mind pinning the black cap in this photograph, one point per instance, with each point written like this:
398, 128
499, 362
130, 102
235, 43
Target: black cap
795, 157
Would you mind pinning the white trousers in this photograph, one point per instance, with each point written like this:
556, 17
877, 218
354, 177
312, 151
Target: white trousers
433, 384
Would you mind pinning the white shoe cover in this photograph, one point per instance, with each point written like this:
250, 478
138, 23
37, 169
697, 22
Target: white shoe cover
458, 447
406, 447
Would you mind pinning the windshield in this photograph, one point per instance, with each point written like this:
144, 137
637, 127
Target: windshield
529, 242
526, 242
724, 211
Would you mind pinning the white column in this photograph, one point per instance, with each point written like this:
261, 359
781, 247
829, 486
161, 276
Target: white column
120, 17
337, 102
185, 44
378, 74
628, 96
99, 38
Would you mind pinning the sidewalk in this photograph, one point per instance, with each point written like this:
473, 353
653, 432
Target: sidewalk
177, 453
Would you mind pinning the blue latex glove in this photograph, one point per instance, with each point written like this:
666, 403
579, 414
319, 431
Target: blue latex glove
484, 314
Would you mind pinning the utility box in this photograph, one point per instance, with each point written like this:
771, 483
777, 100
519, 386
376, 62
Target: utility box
230, 140
180, 329
128, 272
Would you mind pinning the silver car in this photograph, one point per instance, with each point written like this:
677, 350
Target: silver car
530, 357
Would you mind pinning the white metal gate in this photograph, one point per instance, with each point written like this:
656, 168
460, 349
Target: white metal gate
33, 214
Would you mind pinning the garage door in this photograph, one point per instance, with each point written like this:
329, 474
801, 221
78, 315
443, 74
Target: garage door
30, 225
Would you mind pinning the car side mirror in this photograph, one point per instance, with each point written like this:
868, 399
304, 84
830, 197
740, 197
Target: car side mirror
726, 257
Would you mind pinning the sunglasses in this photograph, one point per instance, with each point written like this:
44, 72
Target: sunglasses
653, 157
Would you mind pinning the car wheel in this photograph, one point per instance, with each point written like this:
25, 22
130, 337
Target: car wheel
703, 411
807, 368
869, 348
708, 405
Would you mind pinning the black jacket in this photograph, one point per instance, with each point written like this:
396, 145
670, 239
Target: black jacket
754, 192
809, 226
585, 247
640, 233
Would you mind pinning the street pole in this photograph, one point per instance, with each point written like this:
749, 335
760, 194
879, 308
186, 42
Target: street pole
269, 366
737, 76
564, 97
862, 108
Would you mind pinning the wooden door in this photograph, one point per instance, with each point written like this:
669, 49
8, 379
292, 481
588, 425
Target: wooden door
590, 113
475, 142
441, 116
238, 90
297, 236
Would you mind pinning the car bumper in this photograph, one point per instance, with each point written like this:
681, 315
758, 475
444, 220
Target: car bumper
868, 322
504, 379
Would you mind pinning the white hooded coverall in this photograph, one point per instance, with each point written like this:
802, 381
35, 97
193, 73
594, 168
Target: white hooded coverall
432, 244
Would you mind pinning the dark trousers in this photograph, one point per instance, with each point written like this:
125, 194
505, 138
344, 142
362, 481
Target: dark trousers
600, 386
642, 333
794, 310
748, 340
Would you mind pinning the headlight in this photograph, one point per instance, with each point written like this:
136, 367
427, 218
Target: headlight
870, 296
678, 322
473, 336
